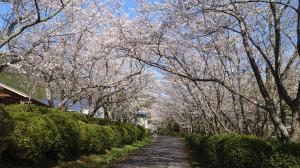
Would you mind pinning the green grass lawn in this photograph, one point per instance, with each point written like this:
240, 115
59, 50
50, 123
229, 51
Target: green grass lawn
105, 160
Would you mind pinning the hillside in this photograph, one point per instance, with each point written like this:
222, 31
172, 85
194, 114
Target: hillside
20, 82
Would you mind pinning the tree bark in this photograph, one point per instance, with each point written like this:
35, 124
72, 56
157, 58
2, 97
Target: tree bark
295, 132
269, 103
49, 96
105, 110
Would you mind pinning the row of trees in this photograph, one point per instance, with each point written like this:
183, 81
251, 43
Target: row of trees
228, 66
69, 48
231, 66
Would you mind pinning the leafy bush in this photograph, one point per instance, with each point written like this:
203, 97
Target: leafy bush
79, 116
286, 156
47, 110
126, 138
6, 123
211, 146
120, 135
243, 151
32, 137
67, 140
194, 141
290, 148
101, 121
6, 126
108, 137
166, 132
283, 160
27, 108
142, 132
132, 132
42, 132
95, 138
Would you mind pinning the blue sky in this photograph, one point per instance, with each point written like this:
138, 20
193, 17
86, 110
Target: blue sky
129, 7
3, 9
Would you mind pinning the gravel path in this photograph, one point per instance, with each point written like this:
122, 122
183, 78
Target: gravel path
167, 152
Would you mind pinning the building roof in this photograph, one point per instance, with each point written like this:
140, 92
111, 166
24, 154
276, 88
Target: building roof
142, 114
22, 94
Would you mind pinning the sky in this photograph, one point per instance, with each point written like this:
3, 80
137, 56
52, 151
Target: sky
129, 7
3, 9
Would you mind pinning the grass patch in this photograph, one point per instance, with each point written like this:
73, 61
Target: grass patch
106, 160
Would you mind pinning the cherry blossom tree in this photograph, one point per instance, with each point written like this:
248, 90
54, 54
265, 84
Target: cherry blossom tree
19, 17
78, 58
230, 44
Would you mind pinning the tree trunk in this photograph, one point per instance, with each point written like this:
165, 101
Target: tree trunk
49, 96
105, 110
295, 132
276, 120
62, 104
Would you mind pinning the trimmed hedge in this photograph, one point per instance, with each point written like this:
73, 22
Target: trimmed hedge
29, 108
286, 156
121, 135
244, 151
46, 110
95, 138
42, 133
6, 126
67, 140
132, 131
211, 146
142, 133
32, 137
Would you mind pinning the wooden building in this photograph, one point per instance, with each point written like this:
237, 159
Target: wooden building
9, 95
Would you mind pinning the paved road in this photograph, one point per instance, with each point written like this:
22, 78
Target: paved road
167, 152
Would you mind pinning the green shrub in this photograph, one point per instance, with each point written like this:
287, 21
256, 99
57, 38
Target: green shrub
286, 156
138, 133
67, 142
132, 132
166, 132
79, 116
27, 108
290, 148
126, 139
243, 151
108, 137
194, 141
283, 160
142, 132
89, 138
89, 119
101, 121
119, 135
32, 137
42, 132
6, 123
211, 147
6, 127
95, 138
